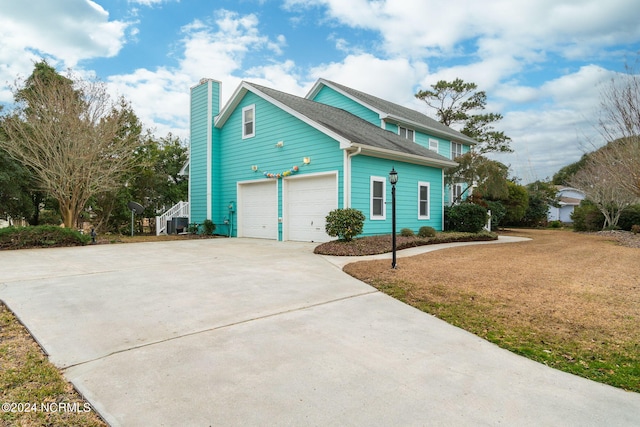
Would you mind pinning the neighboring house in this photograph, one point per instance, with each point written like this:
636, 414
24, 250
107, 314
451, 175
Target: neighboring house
567, 199
273, 165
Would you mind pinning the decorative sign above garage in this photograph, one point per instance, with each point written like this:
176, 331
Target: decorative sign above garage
293, 170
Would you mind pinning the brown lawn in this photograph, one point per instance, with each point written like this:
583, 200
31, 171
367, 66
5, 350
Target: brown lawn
566, 299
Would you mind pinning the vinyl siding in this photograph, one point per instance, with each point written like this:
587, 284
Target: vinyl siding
444, 145
328, 96
363, 167
271, 126
198, 153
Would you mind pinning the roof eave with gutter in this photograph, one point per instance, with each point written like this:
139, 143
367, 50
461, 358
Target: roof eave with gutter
383, 153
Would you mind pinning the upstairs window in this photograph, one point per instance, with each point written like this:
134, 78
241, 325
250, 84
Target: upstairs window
456, 150
248, 121
406, 133
377, 210
433, 145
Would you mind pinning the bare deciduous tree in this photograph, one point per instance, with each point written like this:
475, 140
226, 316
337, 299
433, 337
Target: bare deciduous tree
619, 124
76, 139
598, 180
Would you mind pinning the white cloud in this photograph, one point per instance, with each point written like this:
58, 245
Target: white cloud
70, 30
521, 29
545, 140
578, 89
213, 48
63, 32
150, 2
160, 98
558, 126
391, 79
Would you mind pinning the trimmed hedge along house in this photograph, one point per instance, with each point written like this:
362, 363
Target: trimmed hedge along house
273, 165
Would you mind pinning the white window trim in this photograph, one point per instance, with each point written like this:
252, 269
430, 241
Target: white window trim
413, 133
453, 195
428, 185
251, 107
461, 149
433, 144
384, 198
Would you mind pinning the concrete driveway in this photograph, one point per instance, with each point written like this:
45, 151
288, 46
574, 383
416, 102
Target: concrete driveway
250, 332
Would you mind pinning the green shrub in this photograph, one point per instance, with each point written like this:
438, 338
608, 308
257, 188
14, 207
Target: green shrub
629, 217
426, 231
41, 236
407, 232
344, 223
49, 217
208, 227
555, 224
466, 218
537, 211
587, 217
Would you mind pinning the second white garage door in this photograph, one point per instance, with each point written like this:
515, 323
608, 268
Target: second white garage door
307, 202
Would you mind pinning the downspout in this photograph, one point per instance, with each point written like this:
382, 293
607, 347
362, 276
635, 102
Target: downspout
443, 188
347, 177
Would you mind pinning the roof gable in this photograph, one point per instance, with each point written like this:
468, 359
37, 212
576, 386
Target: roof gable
394, 113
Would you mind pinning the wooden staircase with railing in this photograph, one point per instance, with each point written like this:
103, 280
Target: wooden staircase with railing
180, 209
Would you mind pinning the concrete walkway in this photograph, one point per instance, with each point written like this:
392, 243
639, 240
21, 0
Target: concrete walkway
240, 332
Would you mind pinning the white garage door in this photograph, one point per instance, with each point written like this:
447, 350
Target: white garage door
258, 210
308, 201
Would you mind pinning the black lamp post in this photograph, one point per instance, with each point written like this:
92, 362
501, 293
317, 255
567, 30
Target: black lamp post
393, 178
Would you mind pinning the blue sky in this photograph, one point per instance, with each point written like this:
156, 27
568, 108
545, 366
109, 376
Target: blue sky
541, 62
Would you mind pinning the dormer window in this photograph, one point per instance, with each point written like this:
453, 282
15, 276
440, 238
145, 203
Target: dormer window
406, 133
433, 145
248, 121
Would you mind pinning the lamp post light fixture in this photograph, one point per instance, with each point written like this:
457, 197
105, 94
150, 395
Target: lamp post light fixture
393, 179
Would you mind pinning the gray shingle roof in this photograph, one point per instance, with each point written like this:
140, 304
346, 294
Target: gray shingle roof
349, 126
403, 113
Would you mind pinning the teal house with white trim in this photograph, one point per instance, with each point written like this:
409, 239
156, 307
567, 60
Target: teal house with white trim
272, 165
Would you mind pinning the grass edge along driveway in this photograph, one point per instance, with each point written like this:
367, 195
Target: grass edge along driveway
565, 299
